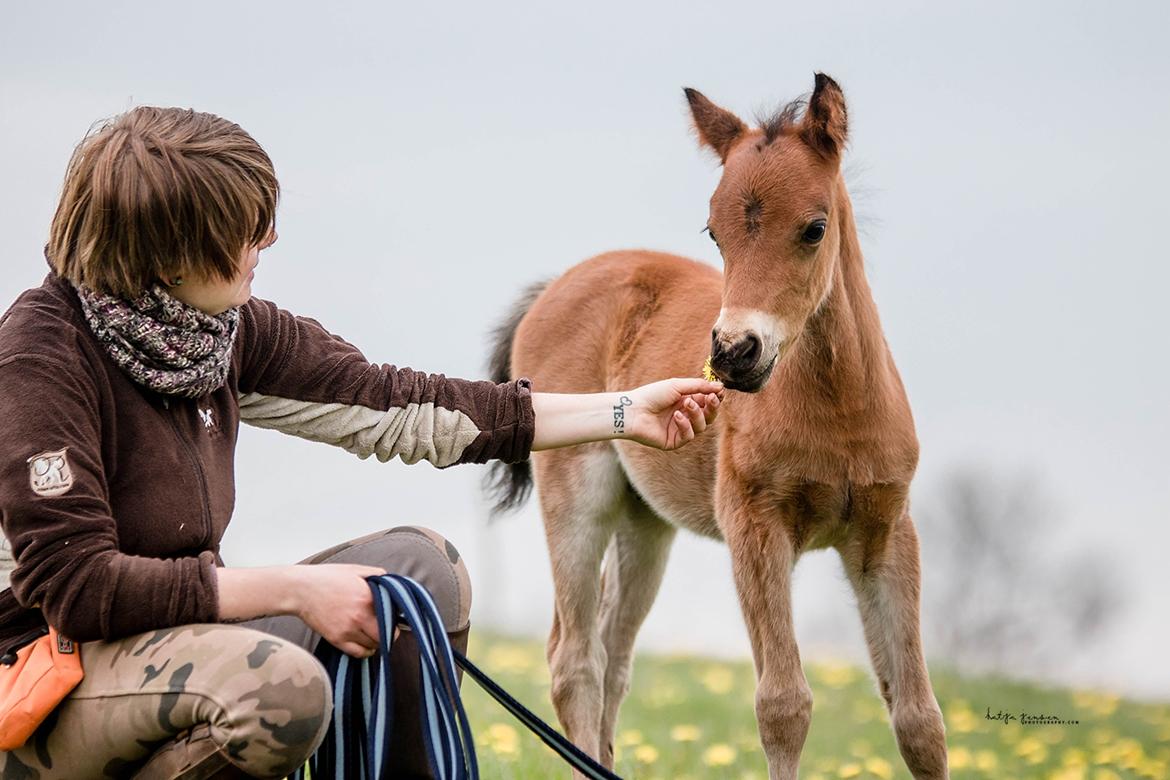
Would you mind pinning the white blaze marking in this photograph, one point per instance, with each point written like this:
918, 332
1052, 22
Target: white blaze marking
735, 323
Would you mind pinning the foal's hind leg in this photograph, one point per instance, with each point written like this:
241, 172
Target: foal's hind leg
633, 571
886, 581
580, 495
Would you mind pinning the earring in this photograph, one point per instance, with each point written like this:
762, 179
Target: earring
178, 280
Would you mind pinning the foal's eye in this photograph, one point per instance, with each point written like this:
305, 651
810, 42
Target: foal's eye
814, 232
711, 233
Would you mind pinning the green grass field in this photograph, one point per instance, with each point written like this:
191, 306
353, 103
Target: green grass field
693, 718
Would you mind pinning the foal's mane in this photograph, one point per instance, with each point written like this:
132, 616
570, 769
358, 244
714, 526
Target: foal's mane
782, 119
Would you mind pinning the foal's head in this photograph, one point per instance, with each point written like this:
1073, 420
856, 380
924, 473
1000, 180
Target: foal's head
772, 217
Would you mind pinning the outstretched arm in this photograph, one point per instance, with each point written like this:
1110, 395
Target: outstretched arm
665, 414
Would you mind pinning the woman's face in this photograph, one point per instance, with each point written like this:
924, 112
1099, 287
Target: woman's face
215, 296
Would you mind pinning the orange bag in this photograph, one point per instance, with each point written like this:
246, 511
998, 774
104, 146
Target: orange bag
43, 674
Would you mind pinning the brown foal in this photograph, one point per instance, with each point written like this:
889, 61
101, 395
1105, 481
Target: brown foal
816, 449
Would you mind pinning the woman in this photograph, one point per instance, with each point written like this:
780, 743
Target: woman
123, 379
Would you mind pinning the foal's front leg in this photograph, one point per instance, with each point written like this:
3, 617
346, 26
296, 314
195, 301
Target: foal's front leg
762, 558
884, 572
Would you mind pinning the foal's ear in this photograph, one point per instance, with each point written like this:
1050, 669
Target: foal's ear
825, 124
718, 127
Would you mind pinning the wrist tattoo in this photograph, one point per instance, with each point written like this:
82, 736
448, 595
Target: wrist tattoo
619, 415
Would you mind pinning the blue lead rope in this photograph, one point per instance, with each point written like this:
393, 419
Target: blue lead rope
356, 745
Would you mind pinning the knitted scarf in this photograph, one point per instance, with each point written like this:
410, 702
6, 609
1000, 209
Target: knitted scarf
161, 342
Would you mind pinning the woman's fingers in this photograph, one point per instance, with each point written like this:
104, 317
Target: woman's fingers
355, 650
369, 629
689, 385
684, 431
696, 415
711, 408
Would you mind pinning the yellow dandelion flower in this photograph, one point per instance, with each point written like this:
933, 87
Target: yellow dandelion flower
629, 738
1106, 774
960, 758
685, 733
1074, 757
1068, 773
986, 761
962, 721
1011, 733
708, 372
1127, 753
1032, 750
503, 740
879, 767
1102, 736
852, 769
718, 679
835, 675
1051, 735
1152, 768
719, 754
1103, 704
665, 694
646, 754
508, 658
1105, 755
501, 731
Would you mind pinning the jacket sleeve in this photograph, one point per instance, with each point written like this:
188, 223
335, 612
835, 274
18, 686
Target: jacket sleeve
55, 513
298, 378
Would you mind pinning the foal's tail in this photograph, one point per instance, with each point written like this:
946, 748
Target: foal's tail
508, 485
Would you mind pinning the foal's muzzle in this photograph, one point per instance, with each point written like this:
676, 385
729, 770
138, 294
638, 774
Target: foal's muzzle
741, 365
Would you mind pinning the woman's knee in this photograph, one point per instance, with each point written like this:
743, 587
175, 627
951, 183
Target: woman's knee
444, 573
421, 554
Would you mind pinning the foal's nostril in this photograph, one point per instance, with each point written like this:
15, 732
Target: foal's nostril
745, 352
751, 350
717, 350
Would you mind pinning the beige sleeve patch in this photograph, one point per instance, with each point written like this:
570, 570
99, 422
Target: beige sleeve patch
413, 433
7, 562
49, 473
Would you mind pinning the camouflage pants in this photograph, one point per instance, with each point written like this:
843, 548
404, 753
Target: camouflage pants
256, 686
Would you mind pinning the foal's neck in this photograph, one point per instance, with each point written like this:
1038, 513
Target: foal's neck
843, 358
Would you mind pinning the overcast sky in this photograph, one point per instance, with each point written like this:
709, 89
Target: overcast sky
1009, 162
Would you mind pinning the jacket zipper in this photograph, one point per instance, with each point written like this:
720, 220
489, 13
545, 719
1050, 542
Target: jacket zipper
190, 450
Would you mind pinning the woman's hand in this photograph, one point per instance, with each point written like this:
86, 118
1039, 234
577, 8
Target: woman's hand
645, 414
334, 599
670, 413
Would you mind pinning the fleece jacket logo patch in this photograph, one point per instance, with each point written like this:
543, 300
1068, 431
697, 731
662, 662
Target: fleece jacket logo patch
49, 473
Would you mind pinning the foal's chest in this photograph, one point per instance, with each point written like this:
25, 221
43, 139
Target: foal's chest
825, 485
819, 514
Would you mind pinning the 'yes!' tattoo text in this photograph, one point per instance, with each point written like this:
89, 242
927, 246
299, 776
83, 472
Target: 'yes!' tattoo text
619, 414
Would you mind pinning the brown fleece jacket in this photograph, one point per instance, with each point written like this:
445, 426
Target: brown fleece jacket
114, 498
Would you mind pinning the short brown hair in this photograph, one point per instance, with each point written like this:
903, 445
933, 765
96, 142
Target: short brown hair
160, 192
